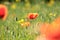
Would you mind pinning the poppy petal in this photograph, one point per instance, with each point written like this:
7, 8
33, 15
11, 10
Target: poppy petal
3, 12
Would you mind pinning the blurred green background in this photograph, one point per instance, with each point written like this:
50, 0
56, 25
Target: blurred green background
48, 10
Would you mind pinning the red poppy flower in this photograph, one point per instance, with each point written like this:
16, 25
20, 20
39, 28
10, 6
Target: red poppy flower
32, 15
3, 12
51, 31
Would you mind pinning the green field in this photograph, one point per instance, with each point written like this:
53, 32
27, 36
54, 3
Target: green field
11, 30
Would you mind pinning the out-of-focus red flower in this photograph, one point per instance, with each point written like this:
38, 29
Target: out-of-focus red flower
51, 30
3, 12
32, 15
